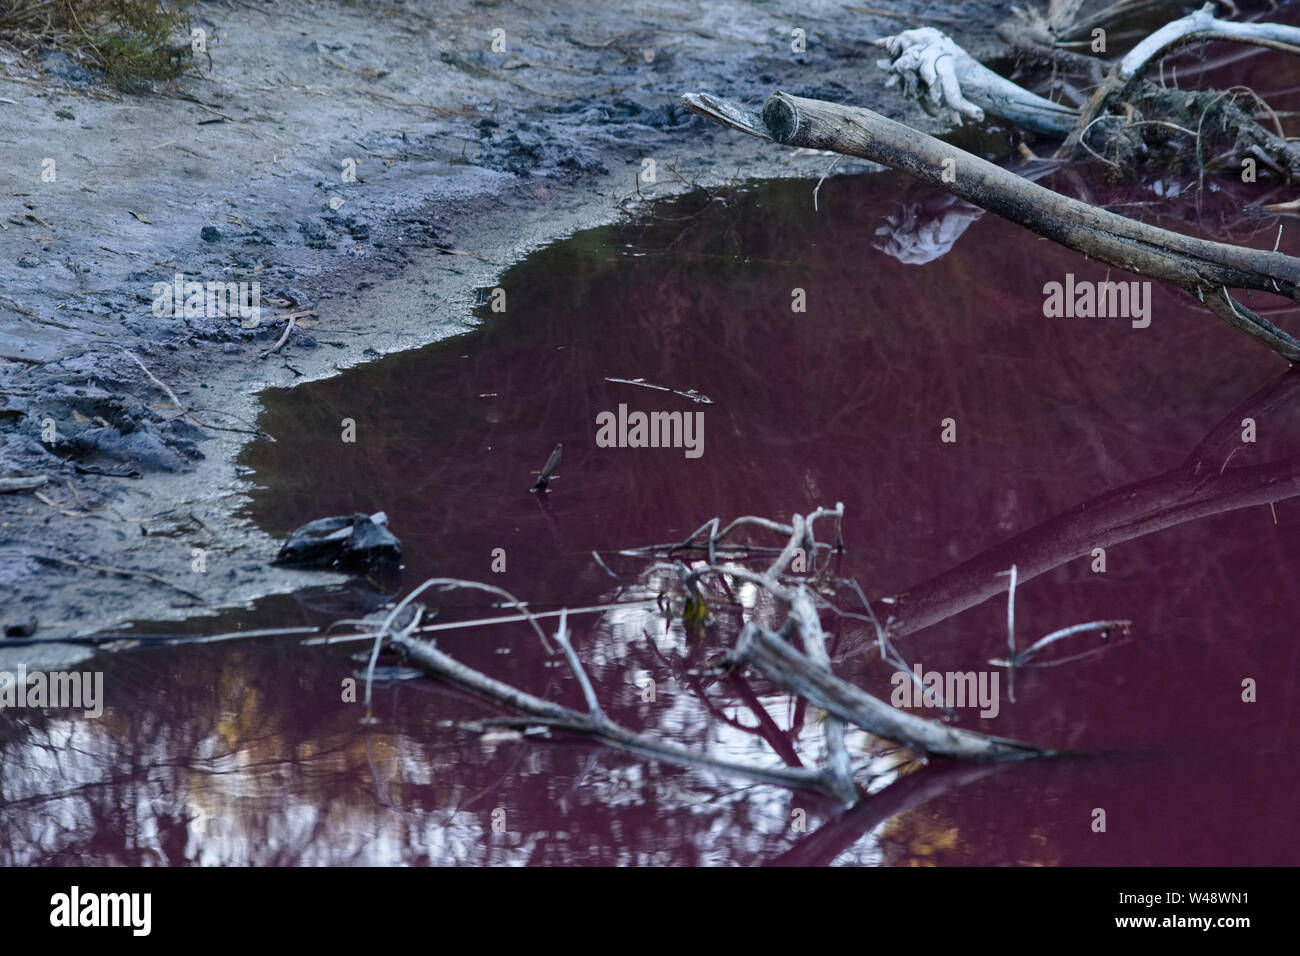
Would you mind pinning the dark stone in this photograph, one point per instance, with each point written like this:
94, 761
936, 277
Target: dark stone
58, 63
354, 542
296, 297
667, 116
316, 235
24, 629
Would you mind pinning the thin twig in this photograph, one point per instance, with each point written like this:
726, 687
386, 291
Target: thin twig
185, 412
105, 569
284, 337
817, 188
1017, 660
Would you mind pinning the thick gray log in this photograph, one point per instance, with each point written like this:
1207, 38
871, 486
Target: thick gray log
1199, 266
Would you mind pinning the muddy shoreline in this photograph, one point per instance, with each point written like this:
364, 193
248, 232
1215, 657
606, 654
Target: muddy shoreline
465, 161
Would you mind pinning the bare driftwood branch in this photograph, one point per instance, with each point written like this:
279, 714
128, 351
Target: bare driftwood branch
783, 665
1123, 94
1202, 25
808, 674
955, 79
803, 614
284, 336
428, 656
26, 483
1203, 268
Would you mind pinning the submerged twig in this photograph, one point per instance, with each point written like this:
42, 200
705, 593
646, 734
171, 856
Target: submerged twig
548, 471
1018, 660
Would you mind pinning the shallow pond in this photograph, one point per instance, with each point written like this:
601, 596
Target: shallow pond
1071, 434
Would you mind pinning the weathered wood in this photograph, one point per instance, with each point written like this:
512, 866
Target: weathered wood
425, 654
22, 484
787, 668
1199, 266
957, 80
1200, 26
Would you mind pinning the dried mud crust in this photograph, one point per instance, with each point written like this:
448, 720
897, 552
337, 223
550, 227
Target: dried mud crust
466, 159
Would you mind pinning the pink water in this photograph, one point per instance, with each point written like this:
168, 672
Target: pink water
1069, 432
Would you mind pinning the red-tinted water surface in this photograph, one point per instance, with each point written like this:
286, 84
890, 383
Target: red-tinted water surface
1072, 434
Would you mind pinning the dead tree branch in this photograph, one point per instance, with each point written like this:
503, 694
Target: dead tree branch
784, 666
954, 79
1200, 26
1203, 268
808, 675
558, 717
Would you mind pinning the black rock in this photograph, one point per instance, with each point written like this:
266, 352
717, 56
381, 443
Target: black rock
316, 235
25, 629
57, 63
354, 542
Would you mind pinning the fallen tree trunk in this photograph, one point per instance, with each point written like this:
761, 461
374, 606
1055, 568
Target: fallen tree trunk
1124, 514
1201, 267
